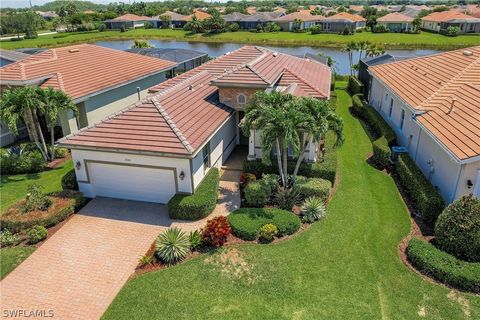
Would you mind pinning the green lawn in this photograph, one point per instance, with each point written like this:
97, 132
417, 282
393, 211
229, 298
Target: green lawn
396, 40
344, 267
10, 258
13, 188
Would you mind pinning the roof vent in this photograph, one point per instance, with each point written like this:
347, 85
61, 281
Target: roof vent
467, 53
275, 54
190, 87
452, 105
73, 50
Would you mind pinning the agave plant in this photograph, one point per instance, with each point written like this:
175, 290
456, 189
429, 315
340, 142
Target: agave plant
172, 245
313, 209
195, 239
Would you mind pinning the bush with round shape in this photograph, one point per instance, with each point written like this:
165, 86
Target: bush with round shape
257, 194
285, 199
246, 222
233, 27
69, 181
195, 239
313, 187
8, 239
271, 180
36, 234
457, 230
36, 199
313, 209
172, 245
216, 232
246, 178
268, 232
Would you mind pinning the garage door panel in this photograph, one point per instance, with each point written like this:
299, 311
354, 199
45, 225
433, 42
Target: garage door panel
132, 182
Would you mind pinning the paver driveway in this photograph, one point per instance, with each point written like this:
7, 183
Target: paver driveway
79, 270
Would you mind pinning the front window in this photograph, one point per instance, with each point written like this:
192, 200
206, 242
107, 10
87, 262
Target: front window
402, 119
206, 156
241, 99
390, 109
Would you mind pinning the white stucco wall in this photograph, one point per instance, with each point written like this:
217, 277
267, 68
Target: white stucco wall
430, 25
84, 156
221, 145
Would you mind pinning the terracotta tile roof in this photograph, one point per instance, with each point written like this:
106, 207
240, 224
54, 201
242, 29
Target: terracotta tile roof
431, 84
302, 15
395, 17
183, 112
346, 16
445, 16
130, 17
81, 70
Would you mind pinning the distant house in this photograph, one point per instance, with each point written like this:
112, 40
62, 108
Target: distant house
432, 103
259, 18
127, 21
341, 21
235, 17
9, 56
168, 142
304, 19
47, 15
200, 15
396, 22
99, 80
441, 21
171, 20
184, 58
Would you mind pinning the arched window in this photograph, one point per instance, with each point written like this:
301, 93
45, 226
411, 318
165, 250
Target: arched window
241, 99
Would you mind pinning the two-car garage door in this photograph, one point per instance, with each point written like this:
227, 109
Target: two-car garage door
132, 182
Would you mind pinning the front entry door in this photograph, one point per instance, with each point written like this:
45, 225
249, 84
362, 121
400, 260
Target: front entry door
243, 137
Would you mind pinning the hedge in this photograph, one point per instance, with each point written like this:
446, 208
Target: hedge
247, 222
381, 152
28, 162
64, 204
444, 267
257, 193
354, 85
427, 199
201, 203
69, 181
313, 187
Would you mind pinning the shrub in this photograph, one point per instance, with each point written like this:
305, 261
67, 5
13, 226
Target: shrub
316, 29
146, 260
69, 181
198, 205
36, 234
257, 193
195, 239
247, 177
444, 267
452, 31
148, 25
313, 209
60, 152
285, 199
272, 27
35, 199
172, 245
8, 239
347, 31
381, 152
268, 232
216, 231
64, 204
26, 162
354, 85
427, 200
86, 27
457, 230
246, 222
313, 187
379, 28
234, 27
272, 181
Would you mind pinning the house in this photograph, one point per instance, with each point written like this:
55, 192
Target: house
432, 103
169, 19
396, 22
200, 15
99, 80
235, 17
166, 143
9, 56
184, 58
259, 19
441, 21
47, 15
341, 21
304, 18
127, 21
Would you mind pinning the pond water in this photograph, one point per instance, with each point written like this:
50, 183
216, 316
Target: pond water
217, 49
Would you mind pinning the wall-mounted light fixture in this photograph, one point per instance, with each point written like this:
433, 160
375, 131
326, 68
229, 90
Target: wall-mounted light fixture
469, 184
182, 175
78, 165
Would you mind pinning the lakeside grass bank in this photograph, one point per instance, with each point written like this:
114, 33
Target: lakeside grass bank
423, 40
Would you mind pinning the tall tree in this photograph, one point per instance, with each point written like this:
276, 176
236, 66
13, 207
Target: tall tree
350, 48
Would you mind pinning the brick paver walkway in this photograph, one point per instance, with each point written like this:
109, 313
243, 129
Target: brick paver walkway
78, 271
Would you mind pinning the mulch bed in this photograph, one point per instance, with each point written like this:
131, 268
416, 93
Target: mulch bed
58, 162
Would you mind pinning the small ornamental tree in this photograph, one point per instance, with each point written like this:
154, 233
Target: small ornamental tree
457, 230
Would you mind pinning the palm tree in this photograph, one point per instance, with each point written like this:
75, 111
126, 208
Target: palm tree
332, 63
141, 44
350, 47
375, 50
55, 101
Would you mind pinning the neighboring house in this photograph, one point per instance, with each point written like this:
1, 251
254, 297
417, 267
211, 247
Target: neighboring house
200, 15
174, 20
235, 17
441, 21
127, 21
363, 70
341, 21
470, 9
47, 15
99, 80
260, 18
396, 22
9, 56
167, 143
184, 58
303, 18
432, 103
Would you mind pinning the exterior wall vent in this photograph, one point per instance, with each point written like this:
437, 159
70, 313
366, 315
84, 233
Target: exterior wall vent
467, 53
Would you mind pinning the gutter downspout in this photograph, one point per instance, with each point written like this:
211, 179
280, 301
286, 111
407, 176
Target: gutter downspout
418, 143
457, 180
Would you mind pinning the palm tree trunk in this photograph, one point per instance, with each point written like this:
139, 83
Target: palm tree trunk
285, 161
52, 139
301, 156
40, 133
279, 162
32, 131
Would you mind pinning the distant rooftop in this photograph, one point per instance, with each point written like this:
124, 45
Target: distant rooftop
177, 55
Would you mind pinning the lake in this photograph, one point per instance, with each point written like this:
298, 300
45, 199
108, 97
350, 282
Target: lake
217, 49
